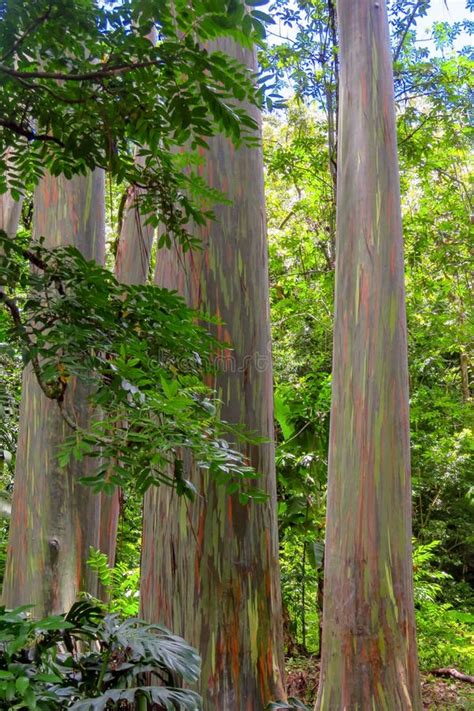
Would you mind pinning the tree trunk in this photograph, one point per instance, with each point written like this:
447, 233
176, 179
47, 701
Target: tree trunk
132, 264
10, 209
210, 568
54, 518
369, 658
466, 389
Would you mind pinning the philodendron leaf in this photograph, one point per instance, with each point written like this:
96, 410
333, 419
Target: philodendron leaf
168, 698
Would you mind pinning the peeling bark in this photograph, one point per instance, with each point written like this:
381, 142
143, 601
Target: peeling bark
54, 518
369, 657
210, 568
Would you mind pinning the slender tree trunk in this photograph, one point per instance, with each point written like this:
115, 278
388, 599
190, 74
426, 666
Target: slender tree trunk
54, 518
369, 658
10, 210
132, 264
464, 363
210, 568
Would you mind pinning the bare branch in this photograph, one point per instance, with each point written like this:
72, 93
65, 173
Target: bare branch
454, 674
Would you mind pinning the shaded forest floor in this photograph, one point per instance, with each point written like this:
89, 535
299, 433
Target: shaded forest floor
440, 694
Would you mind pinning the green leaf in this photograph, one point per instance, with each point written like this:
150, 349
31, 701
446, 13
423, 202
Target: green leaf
21, 684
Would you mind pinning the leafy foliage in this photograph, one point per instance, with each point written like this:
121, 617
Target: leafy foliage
142, 356
87, 661
120, 584
445, 634
115, 92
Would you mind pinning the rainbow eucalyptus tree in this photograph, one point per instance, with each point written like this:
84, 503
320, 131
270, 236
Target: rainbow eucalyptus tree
55, 519
210, 567
369, 658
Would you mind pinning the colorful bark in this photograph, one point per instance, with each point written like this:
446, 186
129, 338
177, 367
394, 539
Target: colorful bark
369, 658
54, 518
210, 568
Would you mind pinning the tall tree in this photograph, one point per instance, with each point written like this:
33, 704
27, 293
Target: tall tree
210, 568
369, 657
132, 264
54, 518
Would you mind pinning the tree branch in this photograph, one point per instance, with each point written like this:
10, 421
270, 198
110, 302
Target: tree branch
13, 309
418, 128
85, 76
405, 31
454, 674
29, 134
57, 97
52, 392
287, 218
65, 415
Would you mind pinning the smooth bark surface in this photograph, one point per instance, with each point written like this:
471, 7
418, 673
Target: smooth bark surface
10, 211
54, 518
210, 568
369, 658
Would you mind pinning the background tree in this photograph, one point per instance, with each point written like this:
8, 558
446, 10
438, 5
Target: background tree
54, 518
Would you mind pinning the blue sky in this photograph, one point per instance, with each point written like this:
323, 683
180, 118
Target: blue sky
440, 11
454, 12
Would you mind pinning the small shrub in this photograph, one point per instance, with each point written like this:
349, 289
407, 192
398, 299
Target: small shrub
445, 635
88, 661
